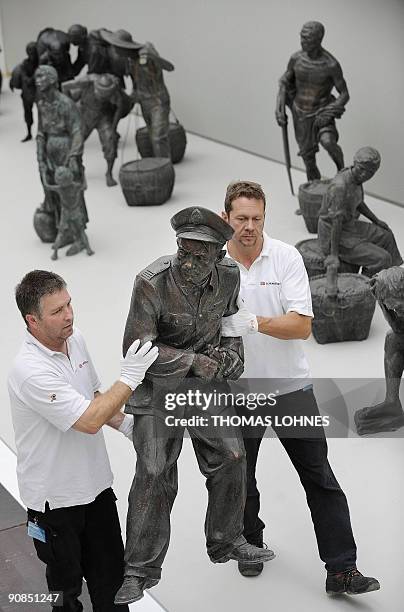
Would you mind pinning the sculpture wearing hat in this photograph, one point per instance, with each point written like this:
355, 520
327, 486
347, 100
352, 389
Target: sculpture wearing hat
146, 70
341, 235
102, 103
95, 53
178, 302
59, 142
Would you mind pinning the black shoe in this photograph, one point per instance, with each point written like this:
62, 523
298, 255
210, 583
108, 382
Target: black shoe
246, 569
351, 582
132, 589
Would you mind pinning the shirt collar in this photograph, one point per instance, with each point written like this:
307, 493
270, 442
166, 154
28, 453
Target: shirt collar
30, 339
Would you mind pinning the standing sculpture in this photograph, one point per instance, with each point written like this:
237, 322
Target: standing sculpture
388, 289
59, 143
22, 78
72, 217
306, 88
102, 103
178, 303
341, 235
146, 70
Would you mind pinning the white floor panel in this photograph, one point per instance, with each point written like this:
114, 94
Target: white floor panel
126, 239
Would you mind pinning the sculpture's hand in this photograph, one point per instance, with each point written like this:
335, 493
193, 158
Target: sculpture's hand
281, 117
204, 367
231, 366
332, 260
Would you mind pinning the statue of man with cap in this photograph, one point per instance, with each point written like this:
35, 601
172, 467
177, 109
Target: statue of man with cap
341, 235
145, 67
102, 103
178, 302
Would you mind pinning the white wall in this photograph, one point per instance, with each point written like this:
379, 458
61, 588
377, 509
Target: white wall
229, 55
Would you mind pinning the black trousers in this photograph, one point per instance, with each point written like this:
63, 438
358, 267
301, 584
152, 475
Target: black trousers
325, 498
83, 541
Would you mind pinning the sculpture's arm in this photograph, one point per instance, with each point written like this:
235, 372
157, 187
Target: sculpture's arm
286, 85
142, 322
364, 210
341, 86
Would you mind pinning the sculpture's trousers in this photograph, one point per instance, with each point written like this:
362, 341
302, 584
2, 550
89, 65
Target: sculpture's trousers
325, 498
156, 114
222, 462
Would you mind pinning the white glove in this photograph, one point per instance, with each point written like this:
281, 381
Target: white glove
241, 323
136, 363
126, 427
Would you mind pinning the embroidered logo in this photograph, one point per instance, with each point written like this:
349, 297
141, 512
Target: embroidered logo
52, 397
82, 364
265, 283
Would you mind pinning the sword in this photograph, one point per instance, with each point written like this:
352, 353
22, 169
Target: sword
286, 152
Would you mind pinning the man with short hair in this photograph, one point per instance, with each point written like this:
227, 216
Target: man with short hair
64, 475
306, 87
177, 303
274, 285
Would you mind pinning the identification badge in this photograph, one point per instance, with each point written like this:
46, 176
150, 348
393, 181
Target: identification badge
35, 531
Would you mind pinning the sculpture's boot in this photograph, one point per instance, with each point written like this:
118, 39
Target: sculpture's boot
132, 589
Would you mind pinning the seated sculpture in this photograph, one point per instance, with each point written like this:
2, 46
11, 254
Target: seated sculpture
388, 288
341, 235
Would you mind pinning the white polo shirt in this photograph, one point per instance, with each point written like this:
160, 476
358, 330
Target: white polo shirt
275, 284
48, 393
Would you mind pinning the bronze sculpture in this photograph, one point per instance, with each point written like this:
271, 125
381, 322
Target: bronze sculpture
102, 103
306, 88
22, 78
341, 235
59, 143
388, 288
53, 49
178, 303
146, 70
72, 217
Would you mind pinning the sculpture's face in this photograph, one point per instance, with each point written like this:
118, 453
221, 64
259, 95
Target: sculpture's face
309, 40
361, 172
247, 217
195, 260
43, 80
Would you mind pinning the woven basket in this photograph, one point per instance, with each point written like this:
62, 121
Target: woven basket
176, 136
148, 181
313, 258
310, 198
346, 318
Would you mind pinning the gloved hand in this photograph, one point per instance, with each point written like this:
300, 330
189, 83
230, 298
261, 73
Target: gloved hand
136, 363
126, 427
241, 323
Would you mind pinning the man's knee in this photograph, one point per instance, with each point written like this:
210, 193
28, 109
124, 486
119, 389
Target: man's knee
328, 140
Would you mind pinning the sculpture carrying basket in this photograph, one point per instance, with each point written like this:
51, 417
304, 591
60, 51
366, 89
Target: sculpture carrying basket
310, 199
349, 315
313, 258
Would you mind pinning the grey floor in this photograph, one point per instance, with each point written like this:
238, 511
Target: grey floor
125, 240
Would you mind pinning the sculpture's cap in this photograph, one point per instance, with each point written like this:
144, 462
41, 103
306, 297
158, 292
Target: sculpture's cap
105, 83
197, 223
120, 38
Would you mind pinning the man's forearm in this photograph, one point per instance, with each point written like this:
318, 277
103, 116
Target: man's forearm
290, 326
366, 212
102, 408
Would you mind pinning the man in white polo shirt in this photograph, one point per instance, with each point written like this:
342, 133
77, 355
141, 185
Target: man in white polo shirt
63, 470
275, 287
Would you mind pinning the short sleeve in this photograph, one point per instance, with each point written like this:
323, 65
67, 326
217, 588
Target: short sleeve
295, 291
54, 400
